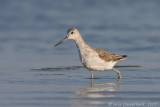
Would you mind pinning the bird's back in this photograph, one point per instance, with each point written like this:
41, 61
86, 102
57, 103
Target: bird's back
107, 56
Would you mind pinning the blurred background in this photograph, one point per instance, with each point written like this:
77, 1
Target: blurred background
29, 29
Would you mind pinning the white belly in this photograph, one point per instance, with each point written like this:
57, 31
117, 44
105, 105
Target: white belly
93, 62
98, 65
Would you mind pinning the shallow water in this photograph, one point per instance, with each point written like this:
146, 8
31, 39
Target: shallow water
35, 73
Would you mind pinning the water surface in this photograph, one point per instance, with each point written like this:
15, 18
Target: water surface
35, 73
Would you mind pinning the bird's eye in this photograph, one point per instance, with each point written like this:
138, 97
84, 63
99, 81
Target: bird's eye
71, 32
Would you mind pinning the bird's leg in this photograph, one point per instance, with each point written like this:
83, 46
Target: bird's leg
118, 72
119, 80
91, 83
91, 74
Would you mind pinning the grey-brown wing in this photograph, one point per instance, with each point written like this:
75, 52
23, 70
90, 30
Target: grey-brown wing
107, 56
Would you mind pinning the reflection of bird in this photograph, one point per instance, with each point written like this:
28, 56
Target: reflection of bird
93, 59
99, 90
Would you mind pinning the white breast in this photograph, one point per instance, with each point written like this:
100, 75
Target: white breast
91, 60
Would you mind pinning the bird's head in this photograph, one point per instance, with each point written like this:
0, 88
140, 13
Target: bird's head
72, 33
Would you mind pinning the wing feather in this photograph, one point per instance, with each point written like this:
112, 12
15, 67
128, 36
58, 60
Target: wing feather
107, 56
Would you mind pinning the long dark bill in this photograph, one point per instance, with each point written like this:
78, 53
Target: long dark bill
61, 41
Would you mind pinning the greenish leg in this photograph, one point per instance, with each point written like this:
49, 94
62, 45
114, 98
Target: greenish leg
92, 74
118, 72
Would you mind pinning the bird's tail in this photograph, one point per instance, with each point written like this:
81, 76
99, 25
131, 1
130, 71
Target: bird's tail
123, 57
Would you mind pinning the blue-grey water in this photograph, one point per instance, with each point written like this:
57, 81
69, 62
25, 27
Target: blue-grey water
29, 29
